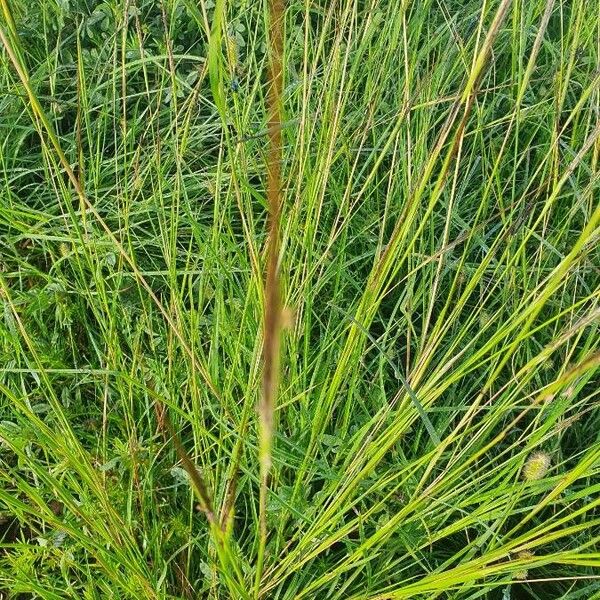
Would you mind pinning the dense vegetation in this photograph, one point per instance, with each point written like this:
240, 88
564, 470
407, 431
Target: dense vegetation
436, 430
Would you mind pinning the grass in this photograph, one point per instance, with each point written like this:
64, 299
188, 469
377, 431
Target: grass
427, 422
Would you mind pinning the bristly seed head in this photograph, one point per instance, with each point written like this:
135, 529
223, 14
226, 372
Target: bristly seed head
288, 317
522, 574
536, 467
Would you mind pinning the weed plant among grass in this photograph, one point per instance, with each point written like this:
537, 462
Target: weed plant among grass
389, 389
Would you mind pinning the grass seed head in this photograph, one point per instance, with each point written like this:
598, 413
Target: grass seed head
522, 574
536, 467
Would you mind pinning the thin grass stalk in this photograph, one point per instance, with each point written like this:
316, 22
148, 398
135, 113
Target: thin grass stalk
272, 314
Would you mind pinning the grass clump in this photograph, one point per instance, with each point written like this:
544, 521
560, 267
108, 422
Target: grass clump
431, 430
